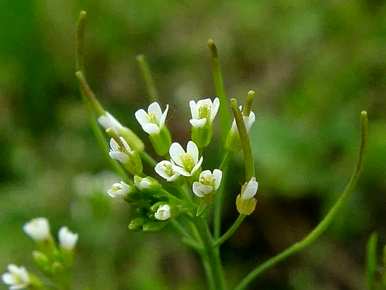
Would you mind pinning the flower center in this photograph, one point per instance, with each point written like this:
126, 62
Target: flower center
168, 169
152, 118
204, 112
207, 180
187, 161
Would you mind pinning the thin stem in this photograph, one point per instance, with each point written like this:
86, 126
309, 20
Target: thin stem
371, 260
213, 256
245, 142
187, 238
323, 225
225, 116
229, 233
79, 41
219, 197
148, 78
89, 99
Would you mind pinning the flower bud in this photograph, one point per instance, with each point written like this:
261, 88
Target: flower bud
245, 201
146, 184
122, 152
108, 121
41, 260
121, 190
203, 113
38, 229
136, 223
67, 239
233, 139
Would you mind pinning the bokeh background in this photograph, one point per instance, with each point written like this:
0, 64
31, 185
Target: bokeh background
315, 66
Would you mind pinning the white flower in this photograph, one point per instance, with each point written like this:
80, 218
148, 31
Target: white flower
248, 121
249, 189
203, 111
208, 182
38, 229
153, 120
118, 153
108, 121
186, 162
67, 239
166, 170
16, 277
163, 213
119, 190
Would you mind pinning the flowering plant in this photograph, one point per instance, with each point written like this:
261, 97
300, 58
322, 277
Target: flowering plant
175, 188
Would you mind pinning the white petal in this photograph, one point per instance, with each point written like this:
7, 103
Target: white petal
141, 117
250, 189
160, 168
38, 229
108, 121
150, 128
217, 174
200, 189
193, 109
155, 109
251, 120
124, 142
119, 156
205, 174
175, 152
67, 239
181, 171
163, 117
205, 102
197, 166
215, 107
114, 145
198, 123
8, 278
163, 212
192, 149
173, 177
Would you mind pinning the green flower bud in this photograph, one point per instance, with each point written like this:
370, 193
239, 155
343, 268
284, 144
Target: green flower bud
136, 223
41, 261
245, 201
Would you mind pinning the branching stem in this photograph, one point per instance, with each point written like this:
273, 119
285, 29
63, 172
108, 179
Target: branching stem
323, 225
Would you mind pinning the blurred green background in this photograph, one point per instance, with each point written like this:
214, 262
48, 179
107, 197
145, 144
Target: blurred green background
315, 66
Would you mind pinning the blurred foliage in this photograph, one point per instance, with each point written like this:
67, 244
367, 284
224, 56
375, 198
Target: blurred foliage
315, 65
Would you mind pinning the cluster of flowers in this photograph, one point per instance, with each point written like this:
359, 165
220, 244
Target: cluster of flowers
154, 204
52, 260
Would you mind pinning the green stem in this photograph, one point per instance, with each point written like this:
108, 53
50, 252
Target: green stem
147, 77
229, 233
323, 225
225, 116
219, 197
371, 262
187, 238
89, 99
245, 142
148, 159
214, 261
